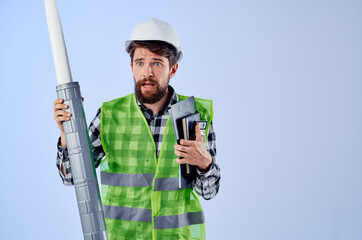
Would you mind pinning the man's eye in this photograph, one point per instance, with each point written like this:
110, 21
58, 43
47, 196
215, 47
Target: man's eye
139, 63
157, 64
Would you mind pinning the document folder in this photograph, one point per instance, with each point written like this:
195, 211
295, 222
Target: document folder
183, 114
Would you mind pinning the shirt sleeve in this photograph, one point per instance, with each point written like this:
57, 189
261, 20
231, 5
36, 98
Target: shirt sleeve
97, 149
207, 183
63, 160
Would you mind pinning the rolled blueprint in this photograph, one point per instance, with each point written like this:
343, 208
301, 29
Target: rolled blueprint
59, 50
76, 134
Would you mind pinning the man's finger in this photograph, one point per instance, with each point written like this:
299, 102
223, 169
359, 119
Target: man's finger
62, 113
181, 148
179, 153
63, 119
198, 133
186, 143
59, 100
182, 161
61, 106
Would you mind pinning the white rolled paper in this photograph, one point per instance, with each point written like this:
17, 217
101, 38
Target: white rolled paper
59, 50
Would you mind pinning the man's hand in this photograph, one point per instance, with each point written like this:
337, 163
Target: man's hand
61, 116
194, 152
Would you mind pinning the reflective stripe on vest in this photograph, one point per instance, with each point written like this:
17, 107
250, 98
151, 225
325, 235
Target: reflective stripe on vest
126, 213
140, 192
178, 221
145, 215
141, 180
168, 184
127, 180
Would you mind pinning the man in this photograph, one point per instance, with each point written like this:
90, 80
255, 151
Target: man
133, 141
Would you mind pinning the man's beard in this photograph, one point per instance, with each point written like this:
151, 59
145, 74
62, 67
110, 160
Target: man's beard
150, 97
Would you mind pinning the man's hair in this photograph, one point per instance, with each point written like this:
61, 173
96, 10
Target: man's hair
158, 47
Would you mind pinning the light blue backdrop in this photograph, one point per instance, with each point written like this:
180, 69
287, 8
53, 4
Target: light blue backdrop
286, 80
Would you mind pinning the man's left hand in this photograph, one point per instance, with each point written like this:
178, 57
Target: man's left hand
194, 152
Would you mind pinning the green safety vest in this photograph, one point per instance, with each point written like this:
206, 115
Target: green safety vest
140, 194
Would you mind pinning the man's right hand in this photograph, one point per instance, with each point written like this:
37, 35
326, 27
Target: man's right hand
61, 116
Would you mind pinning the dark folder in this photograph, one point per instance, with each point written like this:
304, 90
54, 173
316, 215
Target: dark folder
183, 114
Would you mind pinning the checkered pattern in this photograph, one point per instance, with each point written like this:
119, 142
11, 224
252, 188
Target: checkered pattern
130, 149
206, 183
142, 230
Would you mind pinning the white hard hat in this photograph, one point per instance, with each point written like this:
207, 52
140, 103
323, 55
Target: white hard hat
156, 30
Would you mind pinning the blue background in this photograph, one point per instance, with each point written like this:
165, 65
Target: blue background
286, 81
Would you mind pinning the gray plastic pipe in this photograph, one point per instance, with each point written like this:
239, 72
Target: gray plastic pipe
76, 134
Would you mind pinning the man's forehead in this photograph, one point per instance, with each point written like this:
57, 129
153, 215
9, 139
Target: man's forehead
145, 53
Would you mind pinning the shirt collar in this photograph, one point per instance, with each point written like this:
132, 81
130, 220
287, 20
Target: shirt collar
148, 113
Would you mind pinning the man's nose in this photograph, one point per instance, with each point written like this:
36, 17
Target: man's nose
148, 72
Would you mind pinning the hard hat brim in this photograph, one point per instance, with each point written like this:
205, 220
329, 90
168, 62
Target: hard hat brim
179, 49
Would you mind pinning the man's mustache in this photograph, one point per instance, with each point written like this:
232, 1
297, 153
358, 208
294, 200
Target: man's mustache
149, 80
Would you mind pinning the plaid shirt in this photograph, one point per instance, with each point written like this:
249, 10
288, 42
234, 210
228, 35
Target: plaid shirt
206, 183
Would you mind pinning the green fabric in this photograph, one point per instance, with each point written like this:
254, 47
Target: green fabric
130, 149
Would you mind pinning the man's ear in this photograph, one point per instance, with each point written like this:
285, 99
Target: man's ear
173, 70
131, 66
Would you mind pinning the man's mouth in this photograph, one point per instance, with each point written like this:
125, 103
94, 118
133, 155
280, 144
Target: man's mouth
148, 85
